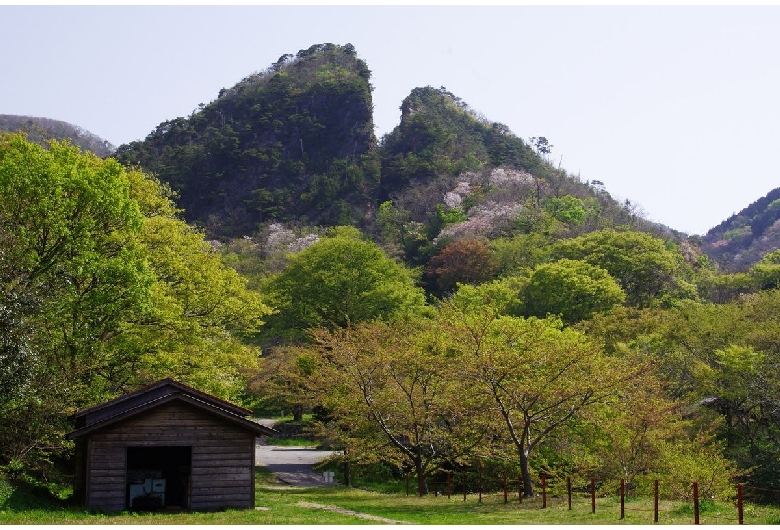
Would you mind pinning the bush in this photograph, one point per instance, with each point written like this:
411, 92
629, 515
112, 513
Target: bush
689, 462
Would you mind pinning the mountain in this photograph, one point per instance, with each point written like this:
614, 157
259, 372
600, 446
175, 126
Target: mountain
744, 238
440, 134
40, 130
461, 176
293, 143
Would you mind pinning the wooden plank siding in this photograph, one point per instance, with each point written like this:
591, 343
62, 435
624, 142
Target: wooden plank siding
222, 464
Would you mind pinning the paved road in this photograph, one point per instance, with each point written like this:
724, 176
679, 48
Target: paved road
292, 465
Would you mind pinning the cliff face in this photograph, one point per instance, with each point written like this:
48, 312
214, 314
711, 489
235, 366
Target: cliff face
294, 142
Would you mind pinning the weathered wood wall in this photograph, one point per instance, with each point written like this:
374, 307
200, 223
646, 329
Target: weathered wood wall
222, 457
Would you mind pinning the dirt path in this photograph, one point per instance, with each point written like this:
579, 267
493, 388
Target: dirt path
294, 466
368, 516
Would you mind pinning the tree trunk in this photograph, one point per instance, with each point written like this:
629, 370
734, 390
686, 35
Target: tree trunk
528, 485
297, 412
422, 486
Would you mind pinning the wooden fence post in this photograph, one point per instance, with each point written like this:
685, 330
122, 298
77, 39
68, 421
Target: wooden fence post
520, 489
464, 485
655, 501
347, 470
592, 495
544, 491
568, 490
695, 503
480, 486
739, 504
622, 498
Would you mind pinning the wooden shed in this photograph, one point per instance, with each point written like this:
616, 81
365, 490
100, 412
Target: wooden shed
165, 447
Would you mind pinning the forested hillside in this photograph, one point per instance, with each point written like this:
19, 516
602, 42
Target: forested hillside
744, 238
42, 129
444, 297
292, 143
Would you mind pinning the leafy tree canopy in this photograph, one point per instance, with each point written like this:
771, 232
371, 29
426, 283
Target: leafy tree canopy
641, 263
572, 289
340, 280
103, 289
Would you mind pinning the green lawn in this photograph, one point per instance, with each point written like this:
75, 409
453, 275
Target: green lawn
278, 504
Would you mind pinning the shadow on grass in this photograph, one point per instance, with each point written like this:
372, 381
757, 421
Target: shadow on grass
20, 496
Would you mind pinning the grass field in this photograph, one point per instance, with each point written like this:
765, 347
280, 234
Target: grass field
278, 504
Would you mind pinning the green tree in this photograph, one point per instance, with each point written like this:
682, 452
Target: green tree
504, 295
572, 289
393, 229
287, 380
395, 397
641, 263
737, 361
766, 273
720, 362
73, 272
340, 280
523, 251
644, 435
538, 375
103, 289
567, 209
201, 310
542, 146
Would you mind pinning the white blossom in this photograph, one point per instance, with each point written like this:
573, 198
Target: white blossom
278, 237
303, 242
483, 220
452, 199
501, 176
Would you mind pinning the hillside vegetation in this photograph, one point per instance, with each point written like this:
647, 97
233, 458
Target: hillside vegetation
292, 143
40, 130
443, 298
744, 238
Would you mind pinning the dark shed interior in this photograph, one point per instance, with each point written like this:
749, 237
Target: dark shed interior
159, 477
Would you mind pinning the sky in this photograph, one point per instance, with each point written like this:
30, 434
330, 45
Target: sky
676, 109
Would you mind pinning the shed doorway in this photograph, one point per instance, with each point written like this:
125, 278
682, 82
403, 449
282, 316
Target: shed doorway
158, 478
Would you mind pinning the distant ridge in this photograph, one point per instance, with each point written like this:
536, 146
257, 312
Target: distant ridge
745, 237
40, 130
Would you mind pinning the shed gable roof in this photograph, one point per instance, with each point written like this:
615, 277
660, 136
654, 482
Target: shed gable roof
154, 395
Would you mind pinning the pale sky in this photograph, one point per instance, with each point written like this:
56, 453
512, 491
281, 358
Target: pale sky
676, 109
